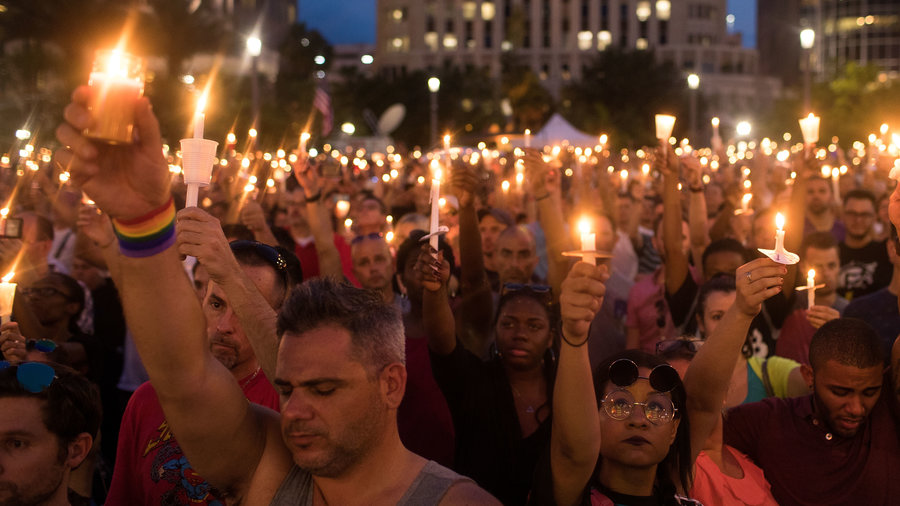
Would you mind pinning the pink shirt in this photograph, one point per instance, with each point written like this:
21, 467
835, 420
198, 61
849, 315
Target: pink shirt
647, 308
712, 486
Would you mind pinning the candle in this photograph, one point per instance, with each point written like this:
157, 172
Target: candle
779, 234
811, 288
342, 207
527, 138
230, 139
435, 203
447, 145
117, 82
745, 204
304, 137
836, 183
588, 241
7, 296
505, 186
197, 156
199, 117
809, 126
664, 125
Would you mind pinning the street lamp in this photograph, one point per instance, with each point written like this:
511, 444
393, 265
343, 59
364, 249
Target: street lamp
693, 81
807, 39
254, 48
434, 85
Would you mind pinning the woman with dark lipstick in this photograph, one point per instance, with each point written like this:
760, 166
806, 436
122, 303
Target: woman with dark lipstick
500, 408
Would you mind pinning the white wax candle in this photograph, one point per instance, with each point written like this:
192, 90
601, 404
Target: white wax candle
527, 138
7, 296
588, 241
811, 288
779, 234
809, 126
435, 209
664, 125
198, 125
304, 137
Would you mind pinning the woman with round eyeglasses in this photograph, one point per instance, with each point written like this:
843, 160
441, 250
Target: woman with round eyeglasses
623, 437
501, 408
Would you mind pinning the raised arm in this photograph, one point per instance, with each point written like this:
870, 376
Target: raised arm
319, 221
476, 305
253, 217
697, 215
709, 374
575, 438
200, 235
550, 217
201, 399
676, 261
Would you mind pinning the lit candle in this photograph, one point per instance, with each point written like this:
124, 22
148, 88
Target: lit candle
304, 137
809, 126
342, 207
199, 117
435, 205
117, 79
664, 125
197, 156
811, 288
624, 177
588, 241
836, 183
505, 186
527, 138
447, 146
7, 295
779, 234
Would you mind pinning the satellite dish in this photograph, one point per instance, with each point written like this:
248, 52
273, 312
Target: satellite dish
391, 119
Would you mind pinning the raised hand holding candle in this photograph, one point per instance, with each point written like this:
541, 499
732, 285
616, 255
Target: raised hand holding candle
809, 126
197, 157
301, 146
7, 296
664, 125
117, 82
435, 206
811, 288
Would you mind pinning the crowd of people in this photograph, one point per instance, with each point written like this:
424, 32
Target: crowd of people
302, 341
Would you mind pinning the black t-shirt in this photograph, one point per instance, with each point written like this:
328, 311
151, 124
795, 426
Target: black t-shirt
864, 270
490, 448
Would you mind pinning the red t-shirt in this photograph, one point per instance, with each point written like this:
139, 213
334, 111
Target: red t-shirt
309, 258
150, 467
808, 465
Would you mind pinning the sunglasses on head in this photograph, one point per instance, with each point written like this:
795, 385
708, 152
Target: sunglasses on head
360, 238
542, 292
691, 346
624, 372
35, 377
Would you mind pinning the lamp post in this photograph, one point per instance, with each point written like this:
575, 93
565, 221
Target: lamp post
807, 39
254, 48
434, 85
693, 81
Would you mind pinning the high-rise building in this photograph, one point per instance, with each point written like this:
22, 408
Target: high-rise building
559, 38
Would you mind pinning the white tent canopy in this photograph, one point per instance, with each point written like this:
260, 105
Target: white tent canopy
558, 130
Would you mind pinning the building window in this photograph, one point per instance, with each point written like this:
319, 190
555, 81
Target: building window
604, 39
431, 41
398, 15
469, 9
450, 41
585, 13
663, 10
398, 45
641, 43
429, 24
643, 10
585, 40
663, 33
566, 73
604, 14
487, 11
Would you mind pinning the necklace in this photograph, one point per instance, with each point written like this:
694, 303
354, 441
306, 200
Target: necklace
243, 383
529, 408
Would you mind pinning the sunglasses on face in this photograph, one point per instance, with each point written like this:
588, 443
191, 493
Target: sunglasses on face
692, 346
619, 404
541, 292
624, 372
360, 238
34, 377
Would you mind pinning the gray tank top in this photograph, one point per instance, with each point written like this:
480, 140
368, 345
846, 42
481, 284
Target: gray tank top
429, 487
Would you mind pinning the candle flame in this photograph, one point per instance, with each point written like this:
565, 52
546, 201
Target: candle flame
389, 237
835, 172
8, 277
715, 122
811, 275
230, 138
252, 133
4, 212
201, 103
603, 139
624, 175
505, 185
779, 221
249, 188
884, 128
304, 136
811, 116
746, 198
348, 223
584, 225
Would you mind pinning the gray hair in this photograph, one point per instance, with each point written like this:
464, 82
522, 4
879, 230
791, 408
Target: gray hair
376, 328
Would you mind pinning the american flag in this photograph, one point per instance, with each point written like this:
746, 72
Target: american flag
322, 102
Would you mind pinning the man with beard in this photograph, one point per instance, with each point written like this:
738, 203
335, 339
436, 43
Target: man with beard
839, 445
373, 267
340, 361
865, 265
49, 418
150, 467
820, 215
515, 256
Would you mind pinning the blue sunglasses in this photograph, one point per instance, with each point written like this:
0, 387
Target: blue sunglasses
34, 377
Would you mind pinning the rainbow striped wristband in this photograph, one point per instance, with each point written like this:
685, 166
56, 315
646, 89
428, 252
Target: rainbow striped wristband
149, 234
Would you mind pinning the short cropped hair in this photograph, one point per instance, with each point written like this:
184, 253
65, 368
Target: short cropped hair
847, 341
818, 240
411, 246
376, 328
726, 245
861, 194
70, 405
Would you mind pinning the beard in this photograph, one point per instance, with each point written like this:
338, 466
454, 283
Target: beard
224, 351
32, 493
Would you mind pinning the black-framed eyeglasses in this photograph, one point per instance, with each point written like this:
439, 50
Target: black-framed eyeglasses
542, 292
360, 238
691, 346
860, 216
42, 345
658, 408
34, 377
44, 292
624, 372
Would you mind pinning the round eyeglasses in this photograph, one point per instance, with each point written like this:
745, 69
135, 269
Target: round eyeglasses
658, 408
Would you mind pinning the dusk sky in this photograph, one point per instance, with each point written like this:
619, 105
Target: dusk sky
355, 22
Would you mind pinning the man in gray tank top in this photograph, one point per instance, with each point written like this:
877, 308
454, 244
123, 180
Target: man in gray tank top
338, 355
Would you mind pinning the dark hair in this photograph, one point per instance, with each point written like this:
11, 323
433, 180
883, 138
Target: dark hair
726, 245
818, 178
286, 265
848, 341
237, 232
677, 464
368, 195
413, 243
895, 239
69, 406
719, 283
861, 194
498, 214
376, 329
818, 240
73, 293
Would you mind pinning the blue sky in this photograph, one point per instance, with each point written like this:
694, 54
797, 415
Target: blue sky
354, 21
